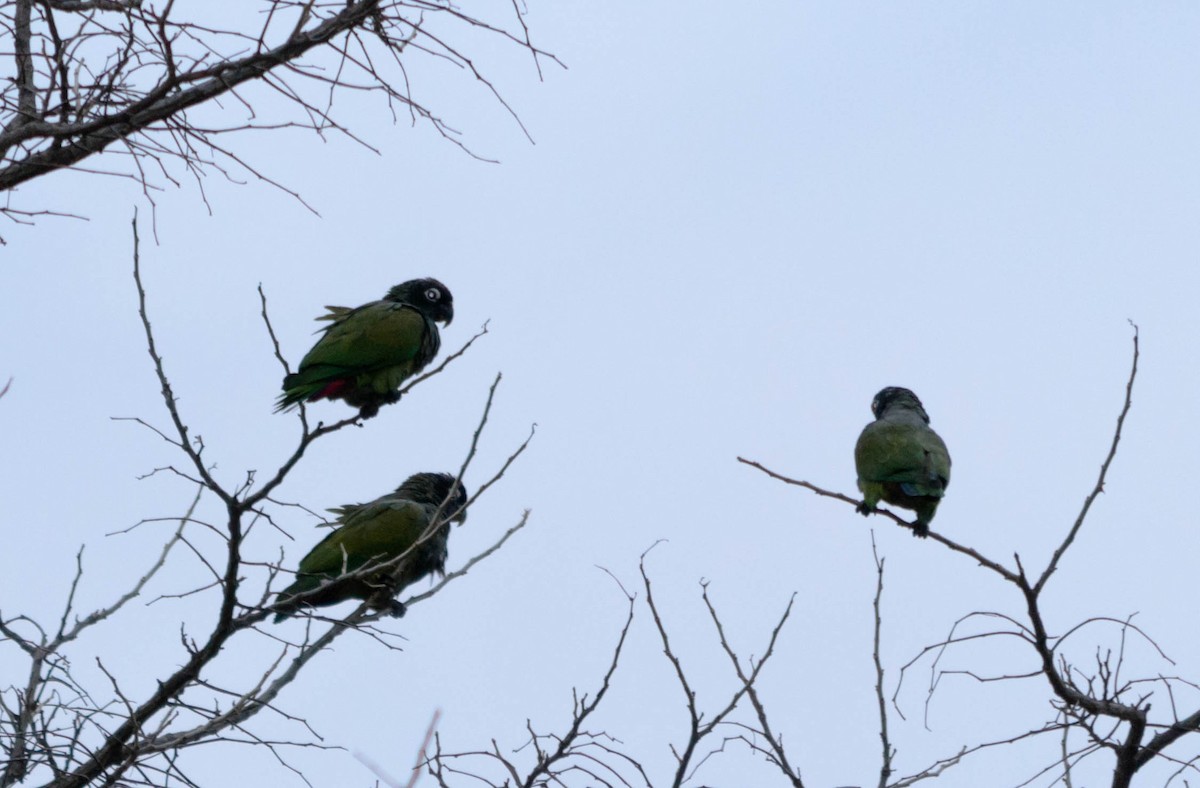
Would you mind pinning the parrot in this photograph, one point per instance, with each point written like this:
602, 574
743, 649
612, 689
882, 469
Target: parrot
375, 533
365, 353
900, 459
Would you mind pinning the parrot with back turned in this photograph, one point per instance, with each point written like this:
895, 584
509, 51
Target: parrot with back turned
364, 354
375, 533
900, 459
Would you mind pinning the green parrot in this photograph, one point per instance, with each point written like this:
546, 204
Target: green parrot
374, 533
900, 459
364, 354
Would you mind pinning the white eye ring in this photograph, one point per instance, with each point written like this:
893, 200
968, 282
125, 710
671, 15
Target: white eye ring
433, 294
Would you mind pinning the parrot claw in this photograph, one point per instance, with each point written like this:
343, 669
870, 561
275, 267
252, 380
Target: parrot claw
397, 609
864, 510
371, 409
920, 529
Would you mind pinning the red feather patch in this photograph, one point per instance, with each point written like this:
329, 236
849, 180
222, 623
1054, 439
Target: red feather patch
330, 391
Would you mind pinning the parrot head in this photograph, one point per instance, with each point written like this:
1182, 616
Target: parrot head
432, 489
428, 296
897, 397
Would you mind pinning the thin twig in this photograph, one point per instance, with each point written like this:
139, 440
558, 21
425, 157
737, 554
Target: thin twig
885, 770
1099, 488
168, 395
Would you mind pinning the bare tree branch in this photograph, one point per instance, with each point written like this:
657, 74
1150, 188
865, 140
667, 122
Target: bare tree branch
46, 654
885, 770
1086, 700
774, 750
557, 756
120, 76
1099, 488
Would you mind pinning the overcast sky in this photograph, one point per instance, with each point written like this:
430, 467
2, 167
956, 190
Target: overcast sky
736, 224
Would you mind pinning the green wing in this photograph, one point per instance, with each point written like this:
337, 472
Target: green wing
377, 531
333, 313
378, 334
903, 454
340, 513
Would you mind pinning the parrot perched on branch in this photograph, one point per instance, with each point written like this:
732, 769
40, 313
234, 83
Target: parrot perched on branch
369, 534
900, 459
364, 354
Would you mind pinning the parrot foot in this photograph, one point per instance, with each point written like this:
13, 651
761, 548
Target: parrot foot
397, 609
865, 510
371, 409
920, 529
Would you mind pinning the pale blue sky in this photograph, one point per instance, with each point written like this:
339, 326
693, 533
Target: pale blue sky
735, 226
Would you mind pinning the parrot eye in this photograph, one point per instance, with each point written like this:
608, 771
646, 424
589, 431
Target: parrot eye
433, 294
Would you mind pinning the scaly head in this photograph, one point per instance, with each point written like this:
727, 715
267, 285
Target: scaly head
899, 398
428, 296
432, 489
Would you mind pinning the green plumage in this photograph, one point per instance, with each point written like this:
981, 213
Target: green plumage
900, 459
374, 533
365, 354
